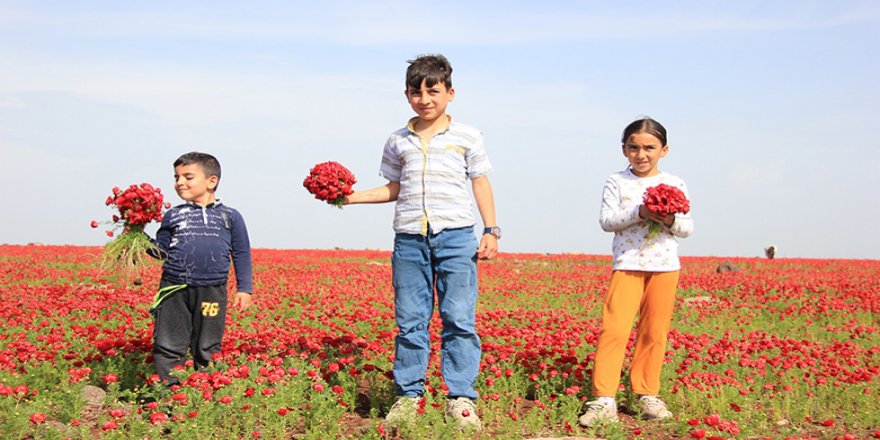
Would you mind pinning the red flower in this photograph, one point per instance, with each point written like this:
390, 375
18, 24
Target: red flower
137, 205
158, 417
666, 199
712, 420
94, 224
663, 200
330, 182
698, 433
110, 378
38, 418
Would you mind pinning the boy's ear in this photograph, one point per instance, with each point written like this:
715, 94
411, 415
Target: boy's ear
212, 182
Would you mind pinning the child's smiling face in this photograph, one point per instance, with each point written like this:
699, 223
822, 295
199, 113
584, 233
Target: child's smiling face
193, 185
430, 102
644, 150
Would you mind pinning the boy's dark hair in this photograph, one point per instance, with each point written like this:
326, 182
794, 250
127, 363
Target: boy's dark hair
646, 125
210, 165
431, 69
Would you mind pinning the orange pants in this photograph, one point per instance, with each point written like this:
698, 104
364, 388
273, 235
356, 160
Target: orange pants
652, 296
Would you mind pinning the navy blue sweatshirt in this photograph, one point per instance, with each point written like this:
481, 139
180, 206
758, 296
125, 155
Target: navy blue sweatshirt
197, 243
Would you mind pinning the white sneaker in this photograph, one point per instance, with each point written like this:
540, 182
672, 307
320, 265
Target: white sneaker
404, 410
598, 413
653, 408
462, 410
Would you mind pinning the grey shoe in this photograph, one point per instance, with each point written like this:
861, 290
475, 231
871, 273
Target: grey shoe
404, 410
652, 408
464, 413
598, 413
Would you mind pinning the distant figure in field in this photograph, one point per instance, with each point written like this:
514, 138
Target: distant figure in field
770, 251
726, 266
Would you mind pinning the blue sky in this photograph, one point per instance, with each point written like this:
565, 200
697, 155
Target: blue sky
771, 109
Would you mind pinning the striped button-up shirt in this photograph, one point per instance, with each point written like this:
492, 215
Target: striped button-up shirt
434, 175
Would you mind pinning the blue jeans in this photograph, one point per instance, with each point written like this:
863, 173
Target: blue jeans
447, 260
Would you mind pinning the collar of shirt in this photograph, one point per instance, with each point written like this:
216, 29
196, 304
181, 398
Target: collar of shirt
411, 125
214, 204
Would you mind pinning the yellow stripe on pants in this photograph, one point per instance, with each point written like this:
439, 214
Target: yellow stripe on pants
652, 296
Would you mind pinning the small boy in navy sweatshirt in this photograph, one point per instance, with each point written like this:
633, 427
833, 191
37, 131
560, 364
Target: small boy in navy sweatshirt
197, 240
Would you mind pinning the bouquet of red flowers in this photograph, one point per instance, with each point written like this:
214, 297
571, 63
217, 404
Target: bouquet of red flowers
663, 200
330, 182
137, 206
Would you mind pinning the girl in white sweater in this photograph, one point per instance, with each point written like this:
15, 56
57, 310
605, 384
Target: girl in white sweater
644, 277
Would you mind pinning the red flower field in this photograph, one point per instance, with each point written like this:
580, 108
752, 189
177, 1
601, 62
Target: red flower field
783, 348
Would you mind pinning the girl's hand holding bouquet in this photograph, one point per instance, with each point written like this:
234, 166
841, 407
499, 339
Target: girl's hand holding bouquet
137, 206
330, 182
659, 206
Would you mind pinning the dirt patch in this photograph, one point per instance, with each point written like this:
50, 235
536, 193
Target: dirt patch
355, 426
698, 300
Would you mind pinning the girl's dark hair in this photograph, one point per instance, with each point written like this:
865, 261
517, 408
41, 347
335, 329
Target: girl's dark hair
210, 165
431, 69
646, 125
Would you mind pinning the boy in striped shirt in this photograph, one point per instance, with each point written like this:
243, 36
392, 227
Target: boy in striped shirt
428, 165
